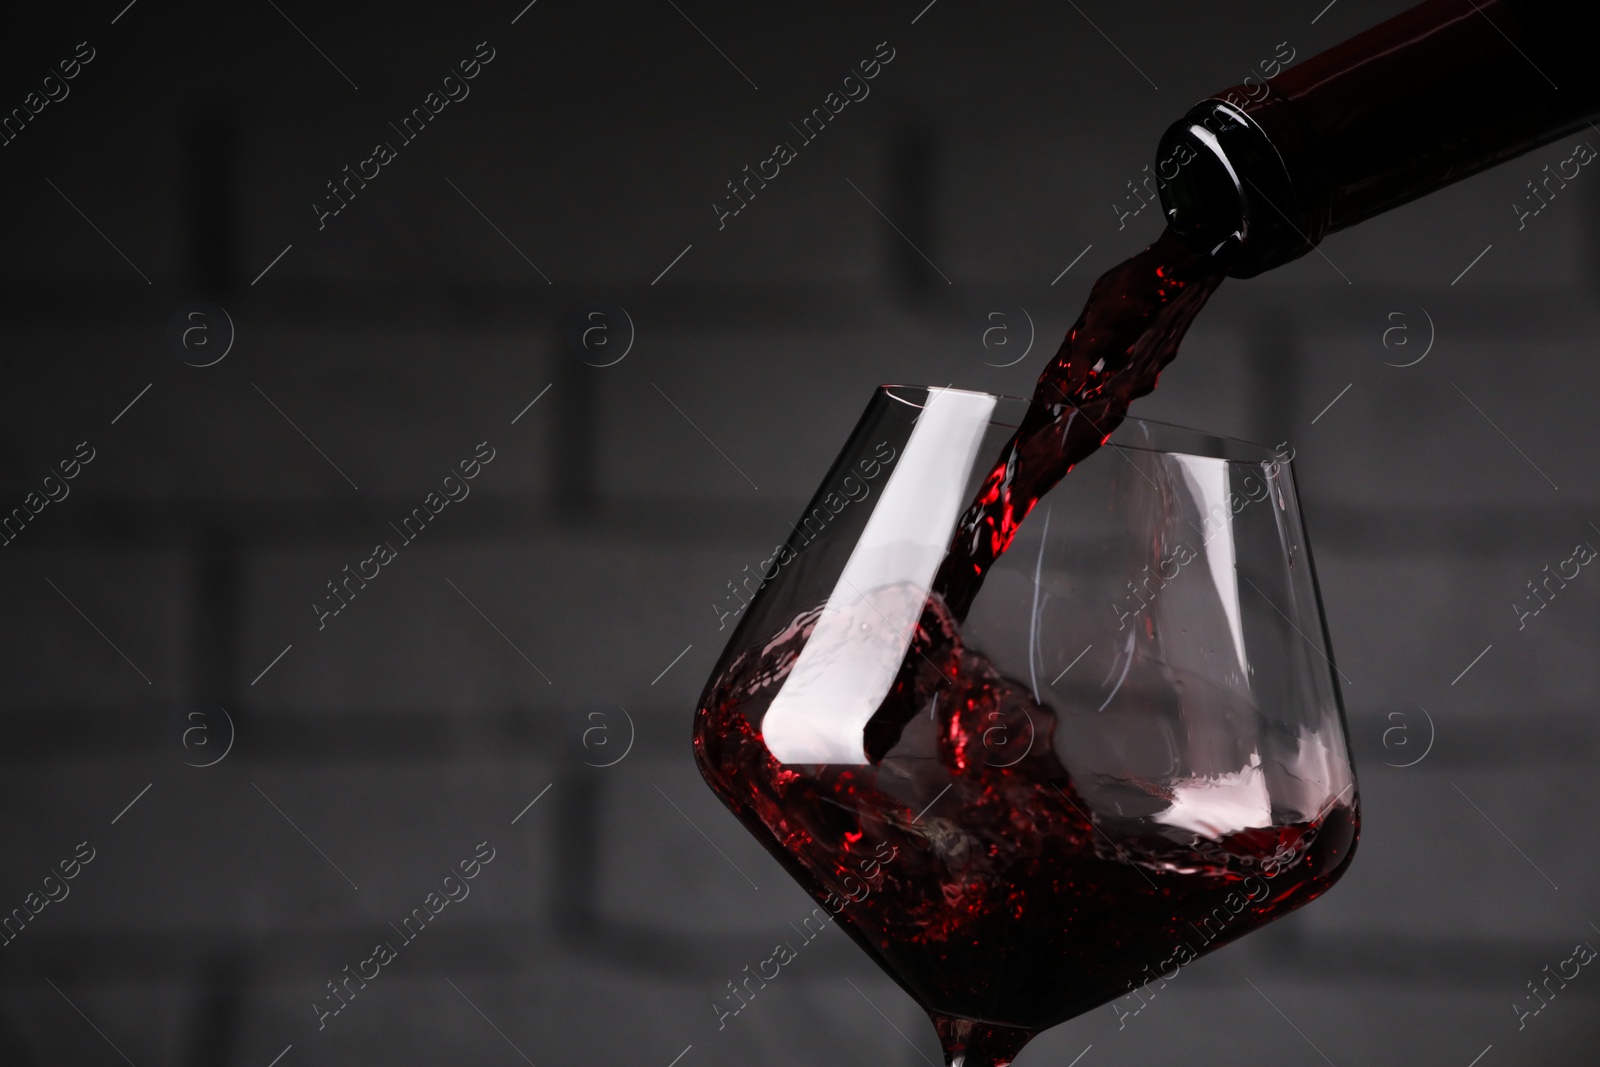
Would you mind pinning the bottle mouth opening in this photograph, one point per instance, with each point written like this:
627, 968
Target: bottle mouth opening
1202, 194
1226, 190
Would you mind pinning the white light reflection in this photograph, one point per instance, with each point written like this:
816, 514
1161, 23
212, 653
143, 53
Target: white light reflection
850, 662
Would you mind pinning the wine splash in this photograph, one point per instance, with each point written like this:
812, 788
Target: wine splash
1008, 907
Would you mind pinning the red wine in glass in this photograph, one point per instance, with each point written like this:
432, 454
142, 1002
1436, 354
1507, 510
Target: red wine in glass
985, 887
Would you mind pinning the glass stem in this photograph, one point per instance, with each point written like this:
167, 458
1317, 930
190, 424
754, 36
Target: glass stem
969, 1043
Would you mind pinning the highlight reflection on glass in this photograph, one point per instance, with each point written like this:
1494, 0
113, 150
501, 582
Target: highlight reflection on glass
1130, 752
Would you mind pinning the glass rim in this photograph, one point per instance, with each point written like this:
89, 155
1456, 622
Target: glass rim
1134, 433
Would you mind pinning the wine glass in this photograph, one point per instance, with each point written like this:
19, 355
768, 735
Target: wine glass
1130, 751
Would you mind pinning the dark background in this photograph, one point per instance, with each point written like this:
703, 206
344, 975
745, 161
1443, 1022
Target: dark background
494, 657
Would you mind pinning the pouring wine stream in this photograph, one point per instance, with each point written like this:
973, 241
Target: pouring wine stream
1130, 328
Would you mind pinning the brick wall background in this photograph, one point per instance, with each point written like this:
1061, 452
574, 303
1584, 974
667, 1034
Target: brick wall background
470, 678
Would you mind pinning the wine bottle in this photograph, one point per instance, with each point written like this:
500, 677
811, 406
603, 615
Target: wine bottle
1262, 173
